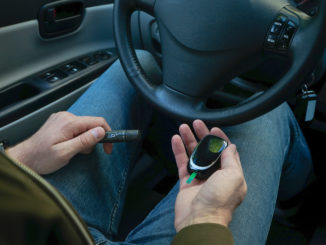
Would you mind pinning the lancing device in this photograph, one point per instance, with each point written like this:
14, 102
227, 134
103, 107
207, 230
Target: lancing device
116, 136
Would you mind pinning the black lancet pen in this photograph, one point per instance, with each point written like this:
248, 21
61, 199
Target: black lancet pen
117, 136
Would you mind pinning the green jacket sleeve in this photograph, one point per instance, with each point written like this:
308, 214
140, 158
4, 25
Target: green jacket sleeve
204, 234
29, 215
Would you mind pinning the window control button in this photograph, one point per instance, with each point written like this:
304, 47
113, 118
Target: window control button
102, 55
67, 66
85, 59
56, 76
73, 70
91, 62
53, 79
46, 75
88, 60
52, 76
73, 67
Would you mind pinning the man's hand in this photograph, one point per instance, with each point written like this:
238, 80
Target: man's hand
61, 137
213, 200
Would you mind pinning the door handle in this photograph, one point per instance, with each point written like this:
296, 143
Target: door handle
60, 17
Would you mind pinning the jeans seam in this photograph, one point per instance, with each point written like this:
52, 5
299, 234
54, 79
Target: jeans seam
116, 204
121, 187
294, 133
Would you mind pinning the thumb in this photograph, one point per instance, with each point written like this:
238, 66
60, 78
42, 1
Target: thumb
84, 141
230, 158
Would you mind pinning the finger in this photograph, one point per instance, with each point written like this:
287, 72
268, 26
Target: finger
230, 158
180, 155
87, 151
100, 121
96, 120
218, 132
238, 158
108, 147
200, 129
188, 138
83, 142
84, 123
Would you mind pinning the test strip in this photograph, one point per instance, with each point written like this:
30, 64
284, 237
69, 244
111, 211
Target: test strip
191, 178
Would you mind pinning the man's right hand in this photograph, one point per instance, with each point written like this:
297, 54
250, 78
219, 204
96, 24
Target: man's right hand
61, 137
213, 200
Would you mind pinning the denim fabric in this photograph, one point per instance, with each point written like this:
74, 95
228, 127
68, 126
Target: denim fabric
95, 184
268, 145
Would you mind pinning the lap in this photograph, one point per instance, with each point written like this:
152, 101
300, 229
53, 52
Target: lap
265, 145
95, 184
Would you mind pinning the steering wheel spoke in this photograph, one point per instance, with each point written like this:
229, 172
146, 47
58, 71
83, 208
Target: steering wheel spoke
181, 104
303, 44
307, 34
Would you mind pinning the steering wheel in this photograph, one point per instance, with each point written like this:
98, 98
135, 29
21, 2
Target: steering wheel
207, 43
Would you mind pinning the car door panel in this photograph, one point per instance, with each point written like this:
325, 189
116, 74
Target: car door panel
24, 127
18, 11
26, 56
24, 53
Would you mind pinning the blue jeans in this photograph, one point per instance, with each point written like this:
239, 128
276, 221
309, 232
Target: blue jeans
96, 184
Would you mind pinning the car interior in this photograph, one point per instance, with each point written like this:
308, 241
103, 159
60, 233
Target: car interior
51, 51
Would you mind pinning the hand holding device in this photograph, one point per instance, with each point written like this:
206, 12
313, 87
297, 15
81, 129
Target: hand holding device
215, 199
61, 137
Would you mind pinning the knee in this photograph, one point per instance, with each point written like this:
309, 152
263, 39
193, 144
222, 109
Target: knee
274, 124
281, 113
277, 121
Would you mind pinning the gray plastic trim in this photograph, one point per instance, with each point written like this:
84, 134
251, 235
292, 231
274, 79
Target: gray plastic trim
24, 52
26, 126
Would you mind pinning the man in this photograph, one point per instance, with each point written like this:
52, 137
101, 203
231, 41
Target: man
198, 213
